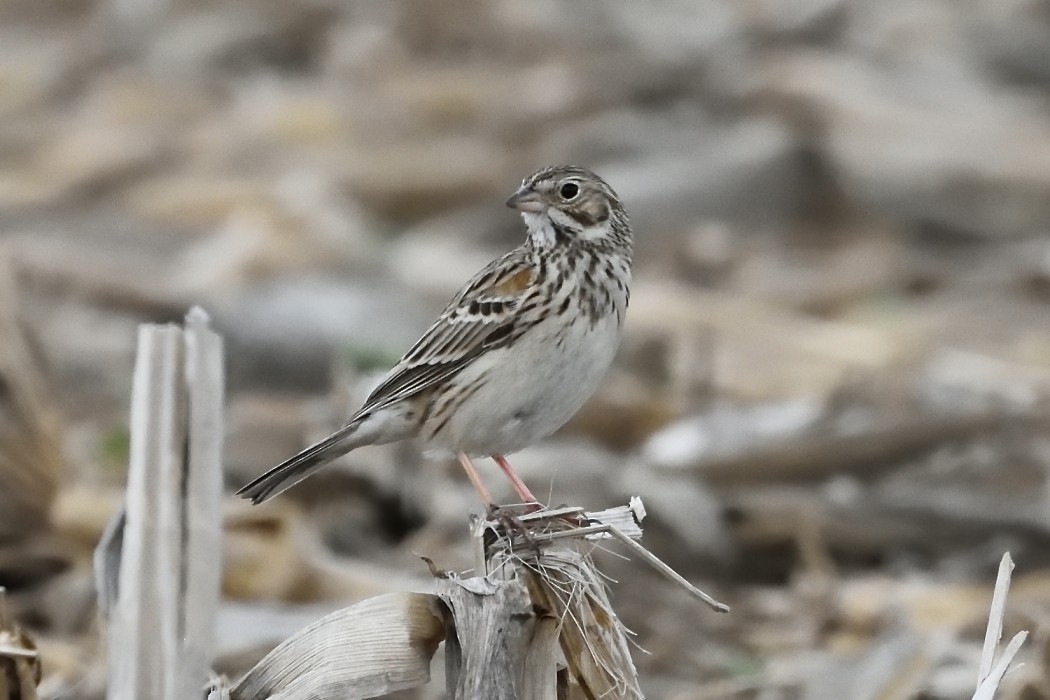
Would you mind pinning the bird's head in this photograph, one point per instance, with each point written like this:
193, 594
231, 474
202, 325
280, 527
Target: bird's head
565, 204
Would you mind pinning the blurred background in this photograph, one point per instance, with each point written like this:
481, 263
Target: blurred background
831, 397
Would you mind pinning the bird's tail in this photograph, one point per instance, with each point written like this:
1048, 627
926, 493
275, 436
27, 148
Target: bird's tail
293, 470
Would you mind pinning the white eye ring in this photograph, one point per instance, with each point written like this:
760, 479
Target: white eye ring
569, 190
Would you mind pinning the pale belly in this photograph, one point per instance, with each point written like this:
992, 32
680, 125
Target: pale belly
532, 389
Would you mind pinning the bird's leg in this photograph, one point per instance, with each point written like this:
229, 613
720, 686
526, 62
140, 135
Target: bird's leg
519, 485
472, 474
509, 522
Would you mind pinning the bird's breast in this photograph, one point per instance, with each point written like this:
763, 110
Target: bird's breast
525, 391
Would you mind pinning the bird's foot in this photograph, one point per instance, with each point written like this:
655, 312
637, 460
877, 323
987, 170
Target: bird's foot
512, 525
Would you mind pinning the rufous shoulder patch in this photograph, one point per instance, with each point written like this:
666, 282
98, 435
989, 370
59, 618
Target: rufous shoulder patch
515, 283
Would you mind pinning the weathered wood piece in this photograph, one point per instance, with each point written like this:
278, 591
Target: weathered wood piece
991, 671
19, 661
202, 510
32, 464
538, 624
159, 563
493, 628
533, 623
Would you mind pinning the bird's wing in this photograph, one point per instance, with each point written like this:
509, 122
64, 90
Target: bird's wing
487, 313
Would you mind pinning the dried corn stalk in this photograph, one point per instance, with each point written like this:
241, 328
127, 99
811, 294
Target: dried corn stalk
534, 624
19, 663
31, 462
370, 649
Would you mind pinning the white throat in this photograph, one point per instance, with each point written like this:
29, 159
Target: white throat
541, 227
540, 230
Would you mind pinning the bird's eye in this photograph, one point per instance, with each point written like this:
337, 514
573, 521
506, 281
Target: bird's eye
569, 190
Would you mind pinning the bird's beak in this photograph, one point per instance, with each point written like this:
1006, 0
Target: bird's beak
526, 199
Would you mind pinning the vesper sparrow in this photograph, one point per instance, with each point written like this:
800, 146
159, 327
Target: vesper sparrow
515, 353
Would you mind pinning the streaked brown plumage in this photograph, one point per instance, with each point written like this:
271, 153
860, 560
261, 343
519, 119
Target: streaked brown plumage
516, 352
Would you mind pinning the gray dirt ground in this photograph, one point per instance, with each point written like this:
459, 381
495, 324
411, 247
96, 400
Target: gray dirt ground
832, 396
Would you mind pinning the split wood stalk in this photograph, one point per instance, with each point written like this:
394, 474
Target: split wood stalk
19, 660
538, 625
158, 565
534, 622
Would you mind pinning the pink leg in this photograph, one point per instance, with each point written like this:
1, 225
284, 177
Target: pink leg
519, 485
472, 474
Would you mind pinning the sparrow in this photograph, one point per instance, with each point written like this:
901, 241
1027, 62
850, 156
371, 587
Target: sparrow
517, 351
